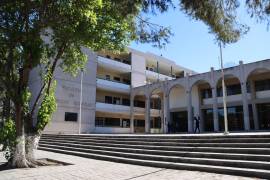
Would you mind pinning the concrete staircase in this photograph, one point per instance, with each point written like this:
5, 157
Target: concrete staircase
241, 154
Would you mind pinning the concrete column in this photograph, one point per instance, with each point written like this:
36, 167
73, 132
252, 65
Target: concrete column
131, 115
215, 102
254, 107
147, 115
166, 112
162, 114
245, 106
215, 109
189, 110
202, 122
244, 96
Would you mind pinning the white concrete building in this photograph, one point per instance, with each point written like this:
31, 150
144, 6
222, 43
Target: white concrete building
137, 92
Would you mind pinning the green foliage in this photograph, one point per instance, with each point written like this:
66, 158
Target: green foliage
26, 96
46, 109
8, 138
218, 15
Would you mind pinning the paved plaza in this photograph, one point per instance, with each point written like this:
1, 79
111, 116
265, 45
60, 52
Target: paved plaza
91, 169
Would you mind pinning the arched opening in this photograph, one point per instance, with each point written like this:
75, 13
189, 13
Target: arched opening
139, 112
234, 104
259, 108
178, 121
156, 112
202, 105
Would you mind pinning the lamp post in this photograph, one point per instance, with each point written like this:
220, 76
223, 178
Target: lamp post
224, 93
80, 111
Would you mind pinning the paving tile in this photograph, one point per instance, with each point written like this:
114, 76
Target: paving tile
90, 169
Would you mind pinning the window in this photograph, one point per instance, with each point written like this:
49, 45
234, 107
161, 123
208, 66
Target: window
70, 116
99, 121
117, 59
138, 123
139, 104
116, 100
231, 90
125, 123
206, 93
107, 77
112, 122
155, 122
116, 79
108, 99
126, 61
126, 81
126, 102
262, 85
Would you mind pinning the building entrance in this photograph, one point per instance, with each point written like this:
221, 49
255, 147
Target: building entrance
139, 126
179, 122
264, 116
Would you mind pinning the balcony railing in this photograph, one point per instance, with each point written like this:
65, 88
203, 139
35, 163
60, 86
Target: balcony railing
122, 108
117, 59
113, 64
113, 85
155, 75
111, 80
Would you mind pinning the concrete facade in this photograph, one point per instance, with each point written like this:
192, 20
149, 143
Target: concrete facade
137, 92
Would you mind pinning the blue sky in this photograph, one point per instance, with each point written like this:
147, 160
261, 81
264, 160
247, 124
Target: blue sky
193, 47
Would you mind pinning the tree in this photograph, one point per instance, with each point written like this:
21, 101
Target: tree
51, 33
48, 33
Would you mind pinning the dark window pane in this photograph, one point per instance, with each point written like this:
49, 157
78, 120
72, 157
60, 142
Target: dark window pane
113, 122
70, 116
108, 99
262, 85
125, 123
99, 121
116, 79
116, 100
126, 102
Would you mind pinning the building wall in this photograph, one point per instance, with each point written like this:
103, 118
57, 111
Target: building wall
177, 98
138, 70
68, 99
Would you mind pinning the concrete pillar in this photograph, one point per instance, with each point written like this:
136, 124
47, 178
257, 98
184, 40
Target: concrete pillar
189, 110
202, 122
254, 107
245, 106
215, 109
215, 101
162, 114
166, 112
147, 114
244, 97
132, 114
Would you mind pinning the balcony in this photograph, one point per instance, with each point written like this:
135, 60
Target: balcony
123, 109
113, 64
113, 86
112, 108
154, 75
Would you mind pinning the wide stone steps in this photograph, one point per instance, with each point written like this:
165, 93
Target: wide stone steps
240, 155
189, 144
176, 159
166, 152
250, 150
156, 140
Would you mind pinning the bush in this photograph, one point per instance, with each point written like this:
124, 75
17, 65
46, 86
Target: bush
8, 138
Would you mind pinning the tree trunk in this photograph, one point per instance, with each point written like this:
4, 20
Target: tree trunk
18, 158
31, 146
